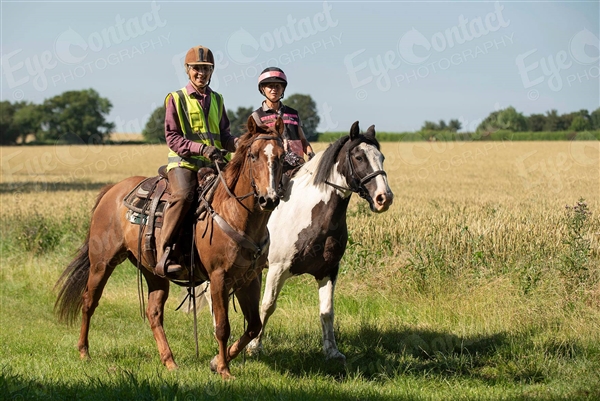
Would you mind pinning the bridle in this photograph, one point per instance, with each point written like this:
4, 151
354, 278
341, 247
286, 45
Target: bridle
250, 171
357, 184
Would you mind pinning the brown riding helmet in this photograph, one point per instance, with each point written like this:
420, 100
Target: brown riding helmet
199, 55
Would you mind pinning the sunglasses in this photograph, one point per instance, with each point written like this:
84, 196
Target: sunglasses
203, 68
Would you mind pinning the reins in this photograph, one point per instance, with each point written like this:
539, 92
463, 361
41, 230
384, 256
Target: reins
242, 239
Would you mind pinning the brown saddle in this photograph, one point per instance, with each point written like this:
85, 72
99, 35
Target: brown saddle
147, 201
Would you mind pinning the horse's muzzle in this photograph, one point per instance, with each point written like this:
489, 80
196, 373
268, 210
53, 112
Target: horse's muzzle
382, 201
268, 202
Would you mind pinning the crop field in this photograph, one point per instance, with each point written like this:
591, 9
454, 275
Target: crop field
482, 281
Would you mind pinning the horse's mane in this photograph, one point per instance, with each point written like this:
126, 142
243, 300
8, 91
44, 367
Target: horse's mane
330, 156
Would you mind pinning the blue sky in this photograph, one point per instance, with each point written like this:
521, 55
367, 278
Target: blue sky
392, 64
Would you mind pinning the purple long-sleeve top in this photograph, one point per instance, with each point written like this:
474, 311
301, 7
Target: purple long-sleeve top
174, 134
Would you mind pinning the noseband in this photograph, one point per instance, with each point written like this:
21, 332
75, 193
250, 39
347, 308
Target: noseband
357, 184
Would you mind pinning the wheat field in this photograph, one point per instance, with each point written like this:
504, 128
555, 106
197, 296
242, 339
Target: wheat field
486, 266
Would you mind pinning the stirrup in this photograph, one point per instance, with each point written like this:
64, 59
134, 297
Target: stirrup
159, 270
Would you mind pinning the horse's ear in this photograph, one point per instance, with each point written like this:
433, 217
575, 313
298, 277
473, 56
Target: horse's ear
251, 124
279, 125
371, 131
354, 131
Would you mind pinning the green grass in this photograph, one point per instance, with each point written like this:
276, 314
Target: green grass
441, 346
437, 313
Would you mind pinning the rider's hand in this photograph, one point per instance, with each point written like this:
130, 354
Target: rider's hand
212, 153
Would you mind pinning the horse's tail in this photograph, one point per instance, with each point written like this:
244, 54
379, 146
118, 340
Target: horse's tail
73, 280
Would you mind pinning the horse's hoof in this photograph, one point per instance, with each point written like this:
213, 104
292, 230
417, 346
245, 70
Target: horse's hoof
171, 366
213, 364
336, 355
254, 348
84, 355
225, 374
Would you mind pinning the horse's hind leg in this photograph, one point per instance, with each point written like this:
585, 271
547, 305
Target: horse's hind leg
249, 298
326, 289
102, 264
158, 292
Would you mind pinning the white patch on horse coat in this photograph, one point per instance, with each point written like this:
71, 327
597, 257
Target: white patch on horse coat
294, 215
326, 289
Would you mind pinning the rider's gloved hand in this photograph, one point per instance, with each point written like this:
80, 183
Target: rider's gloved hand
212, 153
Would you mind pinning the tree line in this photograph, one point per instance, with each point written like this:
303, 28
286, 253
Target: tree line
80, 117
509, 119
71, 117
306, 106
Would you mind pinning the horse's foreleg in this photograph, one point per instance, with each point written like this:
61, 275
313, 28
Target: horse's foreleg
220, 305
276, 277
249, 298
326, 289
100, 271
158, 292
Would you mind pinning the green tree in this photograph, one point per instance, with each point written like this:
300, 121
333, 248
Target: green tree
307, 109
8, 133
442, 126
536, 122
238, 120
18, 120
28, 120
154, 130
552, 121
507, 119
565, 121
76, 116
454, 125
595, 119
580, 123
429, 126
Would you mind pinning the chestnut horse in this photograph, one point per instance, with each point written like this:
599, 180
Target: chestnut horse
230, 253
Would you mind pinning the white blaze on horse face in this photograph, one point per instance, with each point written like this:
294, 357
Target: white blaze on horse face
269, 151
376, 161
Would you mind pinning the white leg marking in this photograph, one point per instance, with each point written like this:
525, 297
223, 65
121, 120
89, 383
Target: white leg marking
326, 289
276, 277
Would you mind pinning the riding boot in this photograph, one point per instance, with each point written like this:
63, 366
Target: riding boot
183, 184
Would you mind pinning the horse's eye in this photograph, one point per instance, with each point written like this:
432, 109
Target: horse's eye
253, 157
359, 158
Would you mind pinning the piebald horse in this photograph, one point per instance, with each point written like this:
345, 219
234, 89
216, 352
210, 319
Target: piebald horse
309, 227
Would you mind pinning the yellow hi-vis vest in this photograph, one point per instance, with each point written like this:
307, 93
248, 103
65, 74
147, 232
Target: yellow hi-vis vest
194, 126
